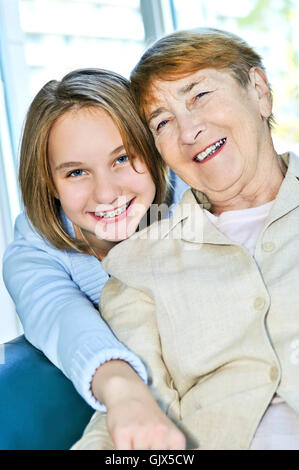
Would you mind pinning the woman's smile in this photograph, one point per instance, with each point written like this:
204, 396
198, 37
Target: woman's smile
210, 152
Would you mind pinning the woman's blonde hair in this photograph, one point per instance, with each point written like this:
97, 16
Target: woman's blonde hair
81, 88
185, 52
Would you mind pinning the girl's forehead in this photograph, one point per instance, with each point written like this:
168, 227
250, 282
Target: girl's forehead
76, 116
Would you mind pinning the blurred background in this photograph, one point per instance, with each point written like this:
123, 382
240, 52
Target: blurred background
42, 40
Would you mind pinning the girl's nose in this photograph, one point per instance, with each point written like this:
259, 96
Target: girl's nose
106, 189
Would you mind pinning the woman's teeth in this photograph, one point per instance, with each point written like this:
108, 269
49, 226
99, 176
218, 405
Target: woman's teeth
209, 151
118, 211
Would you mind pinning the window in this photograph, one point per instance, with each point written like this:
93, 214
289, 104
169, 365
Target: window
63, 35
9, 208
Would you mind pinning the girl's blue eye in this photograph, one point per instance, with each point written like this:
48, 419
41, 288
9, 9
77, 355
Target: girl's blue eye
162, 124
122, 159
75, 173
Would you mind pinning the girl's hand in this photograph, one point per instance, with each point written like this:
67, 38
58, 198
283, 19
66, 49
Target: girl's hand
139, 423
134, 419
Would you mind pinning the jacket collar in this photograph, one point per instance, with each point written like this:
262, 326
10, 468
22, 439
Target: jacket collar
190, 223
287, 198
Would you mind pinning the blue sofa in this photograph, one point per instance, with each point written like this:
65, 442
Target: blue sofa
39, 407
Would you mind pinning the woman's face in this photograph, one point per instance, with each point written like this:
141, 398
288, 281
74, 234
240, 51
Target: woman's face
98, 188
210, 130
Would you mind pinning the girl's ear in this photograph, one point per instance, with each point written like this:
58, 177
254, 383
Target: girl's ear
260, 83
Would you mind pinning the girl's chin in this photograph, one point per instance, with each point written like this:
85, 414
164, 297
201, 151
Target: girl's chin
115, 232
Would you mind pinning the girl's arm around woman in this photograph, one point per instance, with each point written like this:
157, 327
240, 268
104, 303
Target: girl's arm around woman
55, 292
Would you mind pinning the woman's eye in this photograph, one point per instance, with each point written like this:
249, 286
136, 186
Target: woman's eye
75, 173
200, 95
162, 124
122, 159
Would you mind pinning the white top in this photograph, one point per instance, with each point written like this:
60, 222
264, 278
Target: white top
279, 427
242, 226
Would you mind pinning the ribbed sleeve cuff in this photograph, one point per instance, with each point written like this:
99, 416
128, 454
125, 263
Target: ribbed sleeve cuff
90, 358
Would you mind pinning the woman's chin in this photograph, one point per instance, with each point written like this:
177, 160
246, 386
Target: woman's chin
222, 186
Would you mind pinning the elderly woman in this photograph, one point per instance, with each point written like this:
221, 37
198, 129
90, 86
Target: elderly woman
210, 298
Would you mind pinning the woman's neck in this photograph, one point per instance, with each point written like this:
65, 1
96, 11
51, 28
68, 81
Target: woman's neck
262, 189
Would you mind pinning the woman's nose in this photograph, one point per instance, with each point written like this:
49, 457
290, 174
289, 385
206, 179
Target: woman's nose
189, 126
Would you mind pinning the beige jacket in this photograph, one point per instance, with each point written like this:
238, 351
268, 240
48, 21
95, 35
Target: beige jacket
217, 328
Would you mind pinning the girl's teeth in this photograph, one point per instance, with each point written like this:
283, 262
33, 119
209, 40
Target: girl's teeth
112, 213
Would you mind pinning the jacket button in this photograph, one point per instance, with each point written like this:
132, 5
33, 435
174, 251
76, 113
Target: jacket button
268, 247
274, 373
259, 303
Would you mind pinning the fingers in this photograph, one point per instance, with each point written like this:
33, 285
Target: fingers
168, 439
159, 437
123, 439
178, 442
142, 425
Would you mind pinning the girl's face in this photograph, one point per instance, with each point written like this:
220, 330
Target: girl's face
99, 190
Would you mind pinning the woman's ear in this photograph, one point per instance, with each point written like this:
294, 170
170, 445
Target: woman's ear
260, 83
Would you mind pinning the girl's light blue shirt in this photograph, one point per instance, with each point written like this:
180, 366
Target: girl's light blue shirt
56, 294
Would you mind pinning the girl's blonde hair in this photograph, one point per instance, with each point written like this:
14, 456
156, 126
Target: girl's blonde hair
185, 52
81, 88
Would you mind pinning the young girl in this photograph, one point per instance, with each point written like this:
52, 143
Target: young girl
89, 173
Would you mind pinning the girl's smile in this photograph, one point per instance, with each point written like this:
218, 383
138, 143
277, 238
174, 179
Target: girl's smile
114, 216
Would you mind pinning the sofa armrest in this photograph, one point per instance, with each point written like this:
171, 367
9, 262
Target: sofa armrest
39, 407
